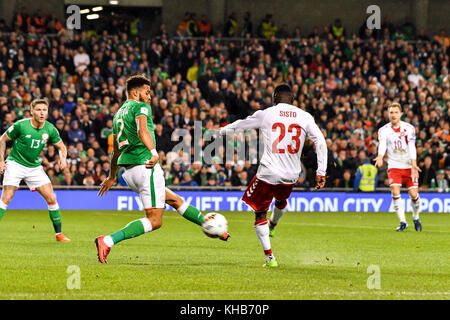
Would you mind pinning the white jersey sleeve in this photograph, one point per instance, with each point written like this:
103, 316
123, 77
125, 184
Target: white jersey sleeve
251, 122
382, 145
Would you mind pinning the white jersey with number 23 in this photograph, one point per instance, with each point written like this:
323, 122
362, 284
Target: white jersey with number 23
284, 128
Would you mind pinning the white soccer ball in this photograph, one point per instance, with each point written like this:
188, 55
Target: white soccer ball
214, 225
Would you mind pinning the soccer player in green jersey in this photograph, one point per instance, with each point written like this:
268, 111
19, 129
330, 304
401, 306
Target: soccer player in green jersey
30, 136
135, 150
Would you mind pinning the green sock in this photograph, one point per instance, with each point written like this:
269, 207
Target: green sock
133, 229
191, 213
55, 216
2, 212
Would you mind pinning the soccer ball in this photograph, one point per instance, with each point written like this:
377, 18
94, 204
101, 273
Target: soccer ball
214, 225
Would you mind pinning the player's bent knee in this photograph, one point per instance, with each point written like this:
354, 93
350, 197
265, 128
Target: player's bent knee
280, 204
414, 192
8, 194
259, 215
6, 198
51, 199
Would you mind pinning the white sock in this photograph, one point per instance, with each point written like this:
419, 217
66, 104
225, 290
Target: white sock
3, 205
108, 241
262, 232
277, 213
415, 204
182, 209
53, 207
398, 206
147, 225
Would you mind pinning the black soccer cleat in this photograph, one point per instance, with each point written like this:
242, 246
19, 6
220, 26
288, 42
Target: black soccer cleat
402, 226
417, 225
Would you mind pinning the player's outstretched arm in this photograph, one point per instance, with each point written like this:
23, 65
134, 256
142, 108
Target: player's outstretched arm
251, 122
62, 154
147, 140
111, 180
4, 138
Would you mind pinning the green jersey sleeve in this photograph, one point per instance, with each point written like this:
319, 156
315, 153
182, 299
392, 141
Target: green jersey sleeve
54, 135
13, 131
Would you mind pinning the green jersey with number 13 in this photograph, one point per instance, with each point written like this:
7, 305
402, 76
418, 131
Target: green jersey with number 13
29, 141
132, 150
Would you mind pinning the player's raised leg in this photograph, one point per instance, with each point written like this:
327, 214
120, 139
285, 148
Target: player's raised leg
415, 204
399, 208
54, 212
187, 211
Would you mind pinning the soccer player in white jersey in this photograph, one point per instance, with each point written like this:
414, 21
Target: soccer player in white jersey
284, 128
398, 138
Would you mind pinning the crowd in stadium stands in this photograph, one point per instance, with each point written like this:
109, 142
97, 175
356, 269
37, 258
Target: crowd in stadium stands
345, 81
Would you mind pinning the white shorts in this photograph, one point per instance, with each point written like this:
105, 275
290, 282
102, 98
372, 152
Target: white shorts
33, 177
149, 183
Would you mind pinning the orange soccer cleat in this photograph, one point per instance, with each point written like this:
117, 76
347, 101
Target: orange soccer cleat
102, 249
225, 236
62, 238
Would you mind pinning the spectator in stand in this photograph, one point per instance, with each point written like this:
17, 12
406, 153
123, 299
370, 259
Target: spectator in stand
81, 60
75, 133
427, 177
191, 25
267, 27
231, 27
247, 28
204, 26
337, 29
442, 38
187, 181
441, 182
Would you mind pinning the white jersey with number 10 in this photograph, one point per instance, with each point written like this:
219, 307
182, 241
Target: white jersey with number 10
284, 128
399, 143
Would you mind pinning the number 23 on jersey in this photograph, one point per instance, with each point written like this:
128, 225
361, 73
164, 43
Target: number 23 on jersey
278, 126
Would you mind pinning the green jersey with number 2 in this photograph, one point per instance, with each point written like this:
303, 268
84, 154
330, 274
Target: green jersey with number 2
29, 141
132, 150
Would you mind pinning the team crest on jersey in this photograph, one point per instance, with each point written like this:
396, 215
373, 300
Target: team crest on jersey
45, 137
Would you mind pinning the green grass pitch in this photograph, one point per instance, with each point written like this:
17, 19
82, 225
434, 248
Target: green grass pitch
321, 256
